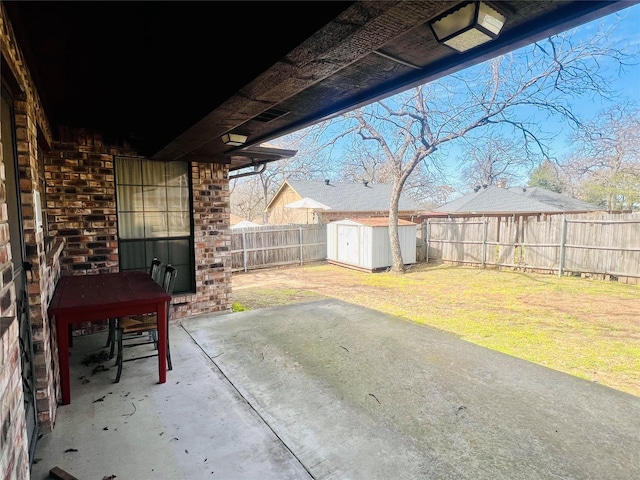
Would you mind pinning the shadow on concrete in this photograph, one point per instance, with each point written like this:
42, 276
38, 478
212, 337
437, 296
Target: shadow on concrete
330, 390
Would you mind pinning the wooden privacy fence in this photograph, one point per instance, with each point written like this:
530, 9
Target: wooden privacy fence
599, 244
274, 245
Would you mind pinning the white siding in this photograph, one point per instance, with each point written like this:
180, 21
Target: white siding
364, 246
407, 235
380, 251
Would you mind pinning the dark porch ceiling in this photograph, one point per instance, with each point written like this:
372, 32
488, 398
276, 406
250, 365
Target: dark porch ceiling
172, 77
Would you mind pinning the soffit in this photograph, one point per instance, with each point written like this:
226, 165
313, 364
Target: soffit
172, 77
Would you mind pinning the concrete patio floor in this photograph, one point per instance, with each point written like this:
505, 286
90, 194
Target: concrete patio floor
330, 390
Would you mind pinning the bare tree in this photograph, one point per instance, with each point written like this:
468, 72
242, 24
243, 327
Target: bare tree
246, 198
364, 166
441, 194
364, 163
605, 163
494, 160
501, 94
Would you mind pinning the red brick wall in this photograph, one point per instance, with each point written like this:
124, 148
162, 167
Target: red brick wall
81, 209
212, 243
45, 271
81, 201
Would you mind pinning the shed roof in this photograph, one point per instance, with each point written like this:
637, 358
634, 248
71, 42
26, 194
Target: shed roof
374, 222
382, 222
351, 197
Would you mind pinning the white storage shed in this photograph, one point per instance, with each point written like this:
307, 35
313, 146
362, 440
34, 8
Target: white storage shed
363, 243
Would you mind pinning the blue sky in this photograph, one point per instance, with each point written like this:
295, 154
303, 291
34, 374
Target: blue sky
629, 33
627, 84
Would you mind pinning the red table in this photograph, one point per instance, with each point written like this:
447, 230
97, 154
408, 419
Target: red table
83, 298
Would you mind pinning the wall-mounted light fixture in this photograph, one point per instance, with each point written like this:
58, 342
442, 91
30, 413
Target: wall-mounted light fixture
468, 25
233, 139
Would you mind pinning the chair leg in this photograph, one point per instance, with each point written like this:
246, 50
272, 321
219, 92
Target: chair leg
119, 357
108, 336
111, 338
170, 367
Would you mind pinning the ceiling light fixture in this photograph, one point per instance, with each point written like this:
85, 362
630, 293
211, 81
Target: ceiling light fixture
467, 25
233, 139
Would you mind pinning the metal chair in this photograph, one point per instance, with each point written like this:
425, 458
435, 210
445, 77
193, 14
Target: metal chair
140, 324
155, 270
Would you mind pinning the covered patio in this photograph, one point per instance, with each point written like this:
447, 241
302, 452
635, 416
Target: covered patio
122, 125
327, 389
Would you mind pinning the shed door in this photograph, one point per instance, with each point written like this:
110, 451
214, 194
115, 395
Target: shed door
348, 244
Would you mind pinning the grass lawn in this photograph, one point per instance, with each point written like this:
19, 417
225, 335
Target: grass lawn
587, 328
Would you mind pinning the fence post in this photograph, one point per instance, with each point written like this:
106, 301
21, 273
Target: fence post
427, 241
300, 241
563, 240
484, 241
244, 250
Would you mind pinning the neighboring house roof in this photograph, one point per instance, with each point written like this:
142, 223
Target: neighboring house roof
494, 199
560, 200
349, 197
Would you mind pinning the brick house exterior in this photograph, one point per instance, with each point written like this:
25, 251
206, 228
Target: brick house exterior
74, 178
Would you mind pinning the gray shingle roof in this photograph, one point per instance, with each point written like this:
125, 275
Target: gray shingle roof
560, 200
351, 197
500, 200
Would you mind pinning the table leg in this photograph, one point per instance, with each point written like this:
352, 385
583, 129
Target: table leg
63, 355
162, 342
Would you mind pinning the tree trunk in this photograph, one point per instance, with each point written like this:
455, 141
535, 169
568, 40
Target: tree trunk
396, 253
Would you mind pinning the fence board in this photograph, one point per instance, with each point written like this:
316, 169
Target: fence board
595, 244
275, 245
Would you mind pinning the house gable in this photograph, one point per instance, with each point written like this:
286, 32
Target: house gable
344, 199
278, 214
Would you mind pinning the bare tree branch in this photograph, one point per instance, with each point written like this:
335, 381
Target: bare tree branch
499, 96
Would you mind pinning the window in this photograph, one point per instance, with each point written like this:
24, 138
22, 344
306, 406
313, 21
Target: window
154, 217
